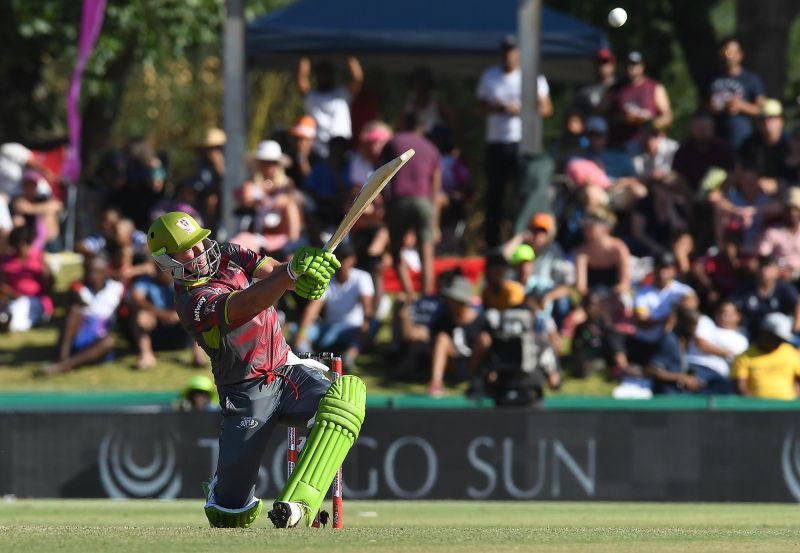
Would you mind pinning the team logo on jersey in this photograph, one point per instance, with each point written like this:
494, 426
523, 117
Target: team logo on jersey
247, 422
185, 225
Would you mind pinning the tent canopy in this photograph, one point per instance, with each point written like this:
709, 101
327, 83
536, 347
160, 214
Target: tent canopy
459, 37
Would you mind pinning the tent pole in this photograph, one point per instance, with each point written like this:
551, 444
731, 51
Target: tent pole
529, 23
233, 112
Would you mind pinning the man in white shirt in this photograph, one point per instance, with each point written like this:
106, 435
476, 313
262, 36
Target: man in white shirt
329, 104
500, 98
349, 310
712, 349
652, 306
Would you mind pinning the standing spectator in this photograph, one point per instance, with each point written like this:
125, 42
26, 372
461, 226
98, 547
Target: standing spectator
768, 294
712, 348
701, 151
154, 323
455, 334
86, 334
24, 282
349, 311
328, 104
768, 147
456, 191
423, 99
592, 98
14, 159
301, 150
792, 160
412, 201
735, 95
637, 102
142, 179
500, 97
770, 369
652, 307
327, 187
783, 242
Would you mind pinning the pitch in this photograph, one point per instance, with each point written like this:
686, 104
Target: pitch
66, 526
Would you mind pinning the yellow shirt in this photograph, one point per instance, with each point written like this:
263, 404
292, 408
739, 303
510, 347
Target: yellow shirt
511, 294
769, 375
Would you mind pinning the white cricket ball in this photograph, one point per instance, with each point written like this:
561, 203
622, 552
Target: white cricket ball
617, 17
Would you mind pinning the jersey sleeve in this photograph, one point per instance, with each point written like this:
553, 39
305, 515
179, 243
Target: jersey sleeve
248, 260
205, 309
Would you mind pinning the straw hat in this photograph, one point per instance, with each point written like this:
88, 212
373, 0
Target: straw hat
214, 138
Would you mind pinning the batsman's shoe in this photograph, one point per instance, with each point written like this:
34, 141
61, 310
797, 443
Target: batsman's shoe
222, 517
337, 424
286, 514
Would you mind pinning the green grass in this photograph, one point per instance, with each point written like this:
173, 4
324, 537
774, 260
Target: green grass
408, 527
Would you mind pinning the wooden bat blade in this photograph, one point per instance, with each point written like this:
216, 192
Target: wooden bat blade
376, 182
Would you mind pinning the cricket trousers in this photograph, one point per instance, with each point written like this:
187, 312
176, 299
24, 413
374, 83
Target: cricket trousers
251, 410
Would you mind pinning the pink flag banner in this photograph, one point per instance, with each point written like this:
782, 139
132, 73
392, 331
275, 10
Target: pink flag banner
91, 22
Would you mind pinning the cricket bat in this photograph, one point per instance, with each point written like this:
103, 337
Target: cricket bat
376, 182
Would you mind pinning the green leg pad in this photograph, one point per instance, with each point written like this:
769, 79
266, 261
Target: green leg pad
338, 422
220, 517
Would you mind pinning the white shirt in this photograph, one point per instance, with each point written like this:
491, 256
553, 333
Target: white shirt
343, 299
360, 170
13, 159
331, 111
659, 304
719, 337
103, 304
497, 86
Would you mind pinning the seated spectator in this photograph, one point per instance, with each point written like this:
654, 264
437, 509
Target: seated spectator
570, 143
636, 102
652, 307
722, 271
128, 254
768, 147
31, 205
500, 292
783, 241
623, 188
456, 191
665, 365
768, 294
348, 323
272, 200
300, 150
603, 260
701, 151
455, 333
97, 241
154, 323
183, 199
745, 200
713, 347
770, 368
519, 350
25, 282
199, 395
209, 174
597, 346
86, 335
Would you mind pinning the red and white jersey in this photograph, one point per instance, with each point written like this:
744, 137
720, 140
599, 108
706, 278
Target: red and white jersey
242, 349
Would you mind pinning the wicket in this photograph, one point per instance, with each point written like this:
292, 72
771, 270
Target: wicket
335, 362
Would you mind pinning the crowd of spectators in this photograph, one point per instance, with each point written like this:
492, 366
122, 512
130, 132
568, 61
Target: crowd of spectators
669, 264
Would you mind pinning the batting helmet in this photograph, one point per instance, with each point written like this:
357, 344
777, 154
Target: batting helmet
176, 232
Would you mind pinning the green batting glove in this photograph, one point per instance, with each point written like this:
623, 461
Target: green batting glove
318, 264
308, 288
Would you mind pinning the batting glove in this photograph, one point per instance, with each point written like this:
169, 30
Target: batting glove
319, 265
309, 288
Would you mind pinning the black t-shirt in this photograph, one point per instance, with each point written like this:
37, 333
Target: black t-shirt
464, 335
754, 307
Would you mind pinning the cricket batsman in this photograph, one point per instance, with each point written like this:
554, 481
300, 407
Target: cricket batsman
225, 296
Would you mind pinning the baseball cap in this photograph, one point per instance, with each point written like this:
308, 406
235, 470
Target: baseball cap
305, 127
771, 108
666, 259
604, 55
509, 42
635, 57
597, 125
543, 221
778, 324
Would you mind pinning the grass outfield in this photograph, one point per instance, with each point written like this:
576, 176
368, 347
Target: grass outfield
31, 526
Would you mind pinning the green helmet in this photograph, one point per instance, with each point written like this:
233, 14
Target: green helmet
176, 232
521, 254
200, 383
